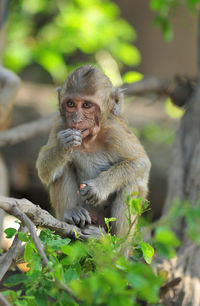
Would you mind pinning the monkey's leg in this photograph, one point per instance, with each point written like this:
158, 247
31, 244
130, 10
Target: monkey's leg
121, 226
63, 192
66, 200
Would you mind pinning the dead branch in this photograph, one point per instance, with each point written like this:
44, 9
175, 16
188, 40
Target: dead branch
26, 131
7, 259
31, 227
148, 85
40, 217
3, 301
179, 90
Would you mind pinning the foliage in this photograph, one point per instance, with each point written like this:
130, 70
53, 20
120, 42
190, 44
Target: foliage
60, 35
165, 9
172, 110
96, 272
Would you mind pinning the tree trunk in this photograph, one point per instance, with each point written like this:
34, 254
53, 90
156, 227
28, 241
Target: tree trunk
184, 184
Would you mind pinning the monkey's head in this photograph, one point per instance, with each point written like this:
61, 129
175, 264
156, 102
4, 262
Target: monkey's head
86, 99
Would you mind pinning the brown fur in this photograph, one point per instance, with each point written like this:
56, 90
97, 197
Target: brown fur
111, 162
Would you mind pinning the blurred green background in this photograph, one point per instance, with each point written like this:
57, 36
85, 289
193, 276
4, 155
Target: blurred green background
45, 40
61, 35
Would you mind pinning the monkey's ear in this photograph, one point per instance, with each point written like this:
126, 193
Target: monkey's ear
117, 98
58, 89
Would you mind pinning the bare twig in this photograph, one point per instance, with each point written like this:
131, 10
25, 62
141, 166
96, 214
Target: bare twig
179, 89
40, 217
31, 227
7, 259
27, 130
148, 85
3, 301
167, 287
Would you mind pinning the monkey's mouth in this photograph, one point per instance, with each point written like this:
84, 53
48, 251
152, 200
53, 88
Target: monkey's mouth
82, 131
85, 132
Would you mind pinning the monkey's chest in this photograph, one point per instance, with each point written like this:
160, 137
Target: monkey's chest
89, 165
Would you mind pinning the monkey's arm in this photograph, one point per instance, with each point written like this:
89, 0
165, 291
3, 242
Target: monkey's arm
132, 169
125, 173
52, 158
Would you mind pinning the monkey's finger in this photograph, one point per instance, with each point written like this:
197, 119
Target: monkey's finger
92, 231
82, 222
82, 219
77, 132
73, 138
72, 143
87, 215
69, 132
69, 220
76, 143
76, 219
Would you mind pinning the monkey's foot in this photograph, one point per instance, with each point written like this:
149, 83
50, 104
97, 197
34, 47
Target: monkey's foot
92, 231
78, 216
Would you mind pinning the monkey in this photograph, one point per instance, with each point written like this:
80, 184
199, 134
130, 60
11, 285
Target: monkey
92, 159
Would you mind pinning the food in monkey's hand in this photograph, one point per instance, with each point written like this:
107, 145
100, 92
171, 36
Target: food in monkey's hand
82, 186
96, 215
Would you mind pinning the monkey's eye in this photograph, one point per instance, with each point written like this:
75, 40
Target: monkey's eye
70, 103
87, 104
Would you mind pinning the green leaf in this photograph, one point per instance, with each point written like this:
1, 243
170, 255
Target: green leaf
172, 110
128, 54
165, 236
132, 76
58, 272
192, 4
136, 205
15, 279
28, 253
157, 5
137, 254
165, 25
147, 251
23, 237
70, 274
10, 232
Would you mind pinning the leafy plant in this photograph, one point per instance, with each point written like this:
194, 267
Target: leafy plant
91, 273
63, 34
165, 9
96, 272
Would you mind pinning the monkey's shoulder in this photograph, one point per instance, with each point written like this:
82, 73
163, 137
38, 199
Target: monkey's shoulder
120, 138
117, 131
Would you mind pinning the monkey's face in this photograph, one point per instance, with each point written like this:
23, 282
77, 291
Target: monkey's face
81, 114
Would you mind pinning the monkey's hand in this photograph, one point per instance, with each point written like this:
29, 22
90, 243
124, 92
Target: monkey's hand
70, 138
78, 216
91, 231
90, 193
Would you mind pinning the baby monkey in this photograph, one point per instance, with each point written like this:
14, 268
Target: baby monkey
92, 159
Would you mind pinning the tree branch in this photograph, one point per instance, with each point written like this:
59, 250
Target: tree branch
27, 130
148, 85
26, 221
7, 259
39, 217
179, 90
3, 301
